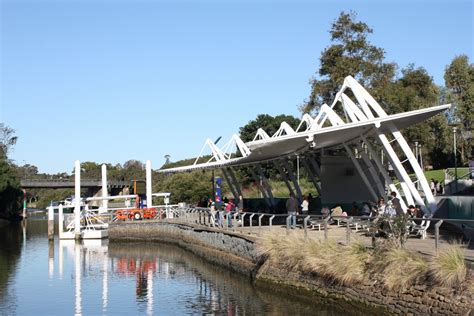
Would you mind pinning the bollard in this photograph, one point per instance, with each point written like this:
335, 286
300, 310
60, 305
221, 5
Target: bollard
251, 221
260, 220
348, 230
326, 228
288, 219
236, 223
305, 226
270, 221
437, 225
50, 223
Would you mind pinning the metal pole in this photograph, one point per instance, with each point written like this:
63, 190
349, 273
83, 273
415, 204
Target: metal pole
298, 168
105, 203
77, 206
437, 225
418, 160
455, 160
149, 197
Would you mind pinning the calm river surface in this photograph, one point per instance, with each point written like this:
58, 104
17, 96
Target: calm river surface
97, 277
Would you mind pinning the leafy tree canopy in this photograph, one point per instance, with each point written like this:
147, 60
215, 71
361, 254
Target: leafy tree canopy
459, 78
351, 53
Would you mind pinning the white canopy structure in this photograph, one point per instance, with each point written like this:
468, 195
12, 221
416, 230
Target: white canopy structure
363, 118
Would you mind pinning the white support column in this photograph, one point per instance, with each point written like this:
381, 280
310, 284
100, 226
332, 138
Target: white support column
418, 171
149, 201
397, 165
77, 200
105, 202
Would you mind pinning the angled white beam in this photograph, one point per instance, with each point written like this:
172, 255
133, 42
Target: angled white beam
383, 172
328, 113
306, 119
244, 150
261, 134
396, 163
285, 129
352, 108
417, 169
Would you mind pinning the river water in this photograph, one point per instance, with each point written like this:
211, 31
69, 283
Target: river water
38, 277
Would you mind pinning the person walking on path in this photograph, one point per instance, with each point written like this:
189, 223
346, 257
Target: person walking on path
292, 209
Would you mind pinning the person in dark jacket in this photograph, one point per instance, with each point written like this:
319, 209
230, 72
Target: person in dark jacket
292, 209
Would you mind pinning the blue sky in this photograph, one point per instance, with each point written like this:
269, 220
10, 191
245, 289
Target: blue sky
109, 81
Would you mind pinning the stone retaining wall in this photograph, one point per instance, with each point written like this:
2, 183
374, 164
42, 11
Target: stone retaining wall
236, 252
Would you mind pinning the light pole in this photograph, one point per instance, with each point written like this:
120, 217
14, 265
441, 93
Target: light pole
298, 168
455, 158
418, 161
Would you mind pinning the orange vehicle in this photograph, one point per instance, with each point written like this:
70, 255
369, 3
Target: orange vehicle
136, 214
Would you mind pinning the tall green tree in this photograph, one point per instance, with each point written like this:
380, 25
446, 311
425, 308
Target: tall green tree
415, 89
7, 139
350, 53
459, 79
10, 192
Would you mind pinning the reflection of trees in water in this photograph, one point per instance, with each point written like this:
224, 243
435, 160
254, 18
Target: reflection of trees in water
219, 290
10, 251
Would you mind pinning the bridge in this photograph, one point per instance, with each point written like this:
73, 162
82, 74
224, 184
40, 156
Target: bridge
69, 183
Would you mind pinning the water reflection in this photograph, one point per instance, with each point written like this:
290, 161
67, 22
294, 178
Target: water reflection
97, 277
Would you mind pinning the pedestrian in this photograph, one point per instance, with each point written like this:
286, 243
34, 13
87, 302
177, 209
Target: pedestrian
433, 186
396, 204
212, 213
305, 206
229, 209
292, 209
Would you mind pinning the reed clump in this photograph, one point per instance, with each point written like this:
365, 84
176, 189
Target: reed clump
449, 267
394, 267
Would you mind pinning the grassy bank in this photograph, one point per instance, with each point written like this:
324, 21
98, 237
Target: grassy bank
395, 268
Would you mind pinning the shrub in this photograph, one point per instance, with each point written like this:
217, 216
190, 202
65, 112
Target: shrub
400, 268
448, 268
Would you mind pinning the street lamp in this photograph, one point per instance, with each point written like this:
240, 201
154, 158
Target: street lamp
298, 168
455, 157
